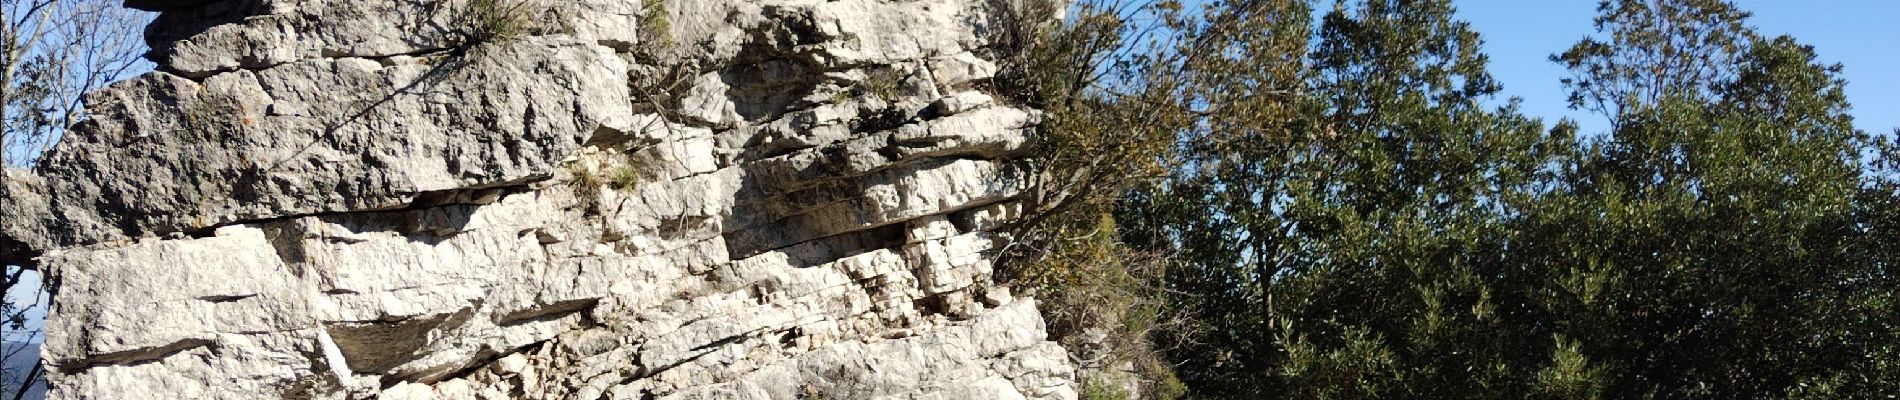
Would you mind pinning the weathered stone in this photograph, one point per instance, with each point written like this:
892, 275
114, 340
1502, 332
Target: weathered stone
337, 199
24, 216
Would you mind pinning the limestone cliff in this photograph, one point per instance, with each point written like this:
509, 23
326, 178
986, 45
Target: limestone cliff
572, 199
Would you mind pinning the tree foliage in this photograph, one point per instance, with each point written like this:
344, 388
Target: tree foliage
1348, 210
1101, 297
52, 53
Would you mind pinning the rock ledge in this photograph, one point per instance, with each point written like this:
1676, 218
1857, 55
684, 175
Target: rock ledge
341, 199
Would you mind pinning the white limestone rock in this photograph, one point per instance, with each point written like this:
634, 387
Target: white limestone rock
330, 199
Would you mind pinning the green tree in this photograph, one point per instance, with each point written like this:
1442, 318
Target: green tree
1338, 210
1348, 220
1655, 49
1718, 242
1345, 218
1107, 131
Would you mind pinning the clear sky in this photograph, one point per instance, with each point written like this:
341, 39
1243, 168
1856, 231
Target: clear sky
1863, 35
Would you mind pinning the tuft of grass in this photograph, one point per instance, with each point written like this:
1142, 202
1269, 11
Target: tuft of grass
498, 21
1095, 389
841, 95
885, 84
584, 177
626, 177
654, 24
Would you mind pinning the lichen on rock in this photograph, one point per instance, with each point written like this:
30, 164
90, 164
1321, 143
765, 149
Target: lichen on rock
338, 199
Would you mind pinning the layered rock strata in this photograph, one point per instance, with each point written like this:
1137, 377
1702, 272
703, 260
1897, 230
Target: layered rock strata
595, 199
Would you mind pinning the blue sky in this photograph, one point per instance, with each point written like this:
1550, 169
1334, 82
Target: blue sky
1863, 35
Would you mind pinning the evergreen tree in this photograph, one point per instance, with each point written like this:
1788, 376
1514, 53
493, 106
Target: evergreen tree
1709, 246
1346, 219
1338, 208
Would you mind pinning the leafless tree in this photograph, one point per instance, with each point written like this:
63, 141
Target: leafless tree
18, 332
52, 52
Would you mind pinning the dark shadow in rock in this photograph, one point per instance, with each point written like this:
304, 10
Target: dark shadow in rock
380, 346
16, 253
135, 356
181, 19
810, 214
762, 91
548, 312
427, 225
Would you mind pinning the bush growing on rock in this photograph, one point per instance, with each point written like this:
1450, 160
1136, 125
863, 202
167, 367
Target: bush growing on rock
498, 21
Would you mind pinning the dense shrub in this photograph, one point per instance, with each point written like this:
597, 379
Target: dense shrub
1291, 204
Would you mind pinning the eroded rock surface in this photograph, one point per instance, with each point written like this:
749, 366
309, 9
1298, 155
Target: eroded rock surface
620, 199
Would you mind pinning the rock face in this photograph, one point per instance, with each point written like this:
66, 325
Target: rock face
619, 199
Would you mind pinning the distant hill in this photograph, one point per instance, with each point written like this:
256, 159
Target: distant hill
22, 362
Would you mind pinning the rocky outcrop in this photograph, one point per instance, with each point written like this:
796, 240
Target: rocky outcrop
621, 199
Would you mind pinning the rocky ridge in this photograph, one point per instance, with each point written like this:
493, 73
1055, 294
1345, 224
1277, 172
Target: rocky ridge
621, 199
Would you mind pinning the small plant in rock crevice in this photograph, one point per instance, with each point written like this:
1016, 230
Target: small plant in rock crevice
1096, 389
655, 26
635, 167
498, 21
885, 84
582, 176
626, 177
811, 392
840, 95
